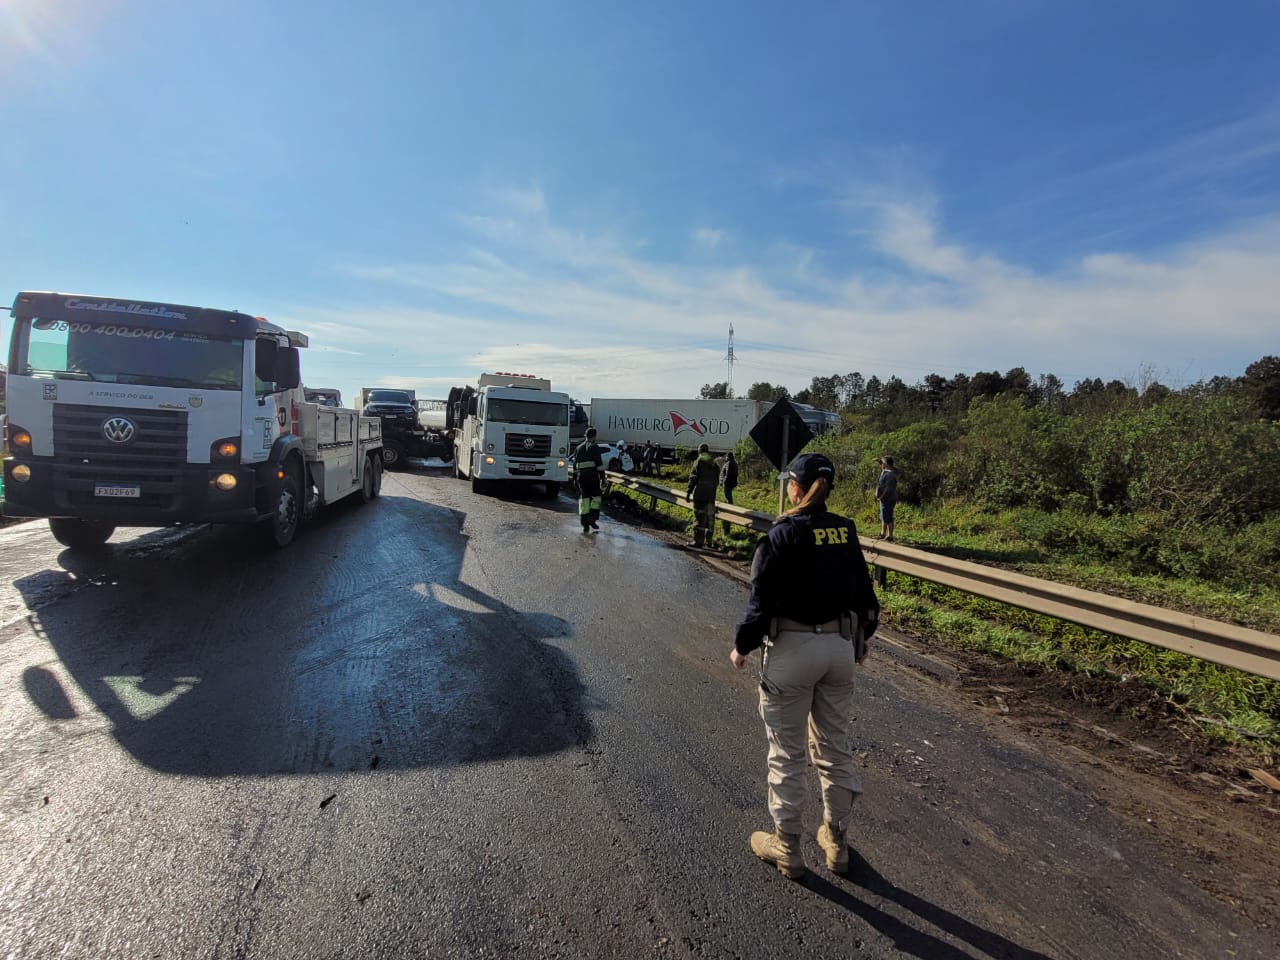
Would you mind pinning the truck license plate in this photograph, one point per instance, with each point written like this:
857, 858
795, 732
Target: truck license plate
131, 490
524, 468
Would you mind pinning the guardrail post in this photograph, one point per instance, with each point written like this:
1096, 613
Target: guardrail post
882, 576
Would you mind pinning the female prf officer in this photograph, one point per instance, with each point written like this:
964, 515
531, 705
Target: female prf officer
811, 598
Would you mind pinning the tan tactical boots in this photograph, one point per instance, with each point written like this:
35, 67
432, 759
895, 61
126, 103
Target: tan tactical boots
780, 849
831, 840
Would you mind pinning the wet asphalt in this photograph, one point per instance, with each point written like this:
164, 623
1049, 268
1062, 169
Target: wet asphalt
450, 725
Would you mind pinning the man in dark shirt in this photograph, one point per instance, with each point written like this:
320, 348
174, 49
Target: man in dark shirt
887, 495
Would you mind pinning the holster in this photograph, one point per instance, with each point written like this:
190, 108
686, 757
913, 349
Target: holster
851, 630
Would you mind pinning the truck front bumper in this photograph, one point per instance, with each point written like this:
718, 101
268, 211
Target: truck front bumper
156, 496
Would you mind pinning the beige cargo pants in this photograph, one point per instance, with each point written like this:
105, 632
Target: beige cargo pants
806, 699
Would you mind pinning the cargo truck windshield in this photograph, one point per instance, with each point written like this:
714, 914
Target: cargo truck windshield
113, 352
508, 410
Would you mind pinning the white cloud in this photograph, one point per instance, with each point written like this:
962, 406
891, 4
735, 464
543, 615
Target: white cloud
587, 309
708, 238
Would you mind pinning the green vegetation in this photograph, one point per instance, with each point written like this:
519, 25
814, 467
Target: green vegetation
1171, 497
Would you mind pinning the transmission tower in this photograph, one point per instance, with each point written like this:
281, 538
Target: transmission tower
729, 358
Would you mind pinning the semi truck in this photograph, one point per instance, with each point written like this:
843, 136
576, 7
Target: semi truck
669, 424
510, 426
403, 434
137, 413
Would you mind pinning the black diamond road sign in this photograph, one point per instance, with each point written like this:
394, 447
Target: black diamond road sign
781, 426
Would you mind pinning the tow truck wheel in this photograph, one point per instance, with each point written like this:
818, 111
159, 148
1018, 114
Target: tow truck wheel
80, 534
375, 464
284, 522
392, 456
367, 489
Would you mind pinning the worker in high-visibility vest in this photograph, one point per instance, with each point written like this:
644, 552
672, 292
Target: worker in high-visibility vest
588, 471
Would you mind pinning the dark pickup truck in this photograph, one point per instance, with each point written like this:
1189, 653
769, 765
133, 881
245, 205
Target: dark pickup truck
403, 436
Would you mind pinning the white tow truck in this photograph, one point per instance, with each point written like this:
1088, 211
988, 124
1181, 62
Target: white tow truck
510, 426
133, 413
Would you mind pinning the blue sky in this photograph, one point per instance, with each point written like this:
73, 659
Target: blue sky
595, 191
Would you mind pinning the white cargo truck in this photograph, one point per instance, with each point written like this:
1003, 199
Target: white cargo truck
668, 424
130, 413
510, 426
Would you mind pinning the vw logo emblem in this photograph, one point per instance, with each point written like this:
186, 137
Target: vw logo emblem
118, 429
528, 443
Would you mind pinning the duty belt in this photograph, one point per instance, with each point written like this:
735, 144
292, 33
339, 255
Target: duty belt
782, 623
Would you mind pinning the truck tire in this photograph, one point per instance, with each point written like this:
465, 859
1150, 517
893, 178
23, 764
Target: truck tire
553, 489
377, 475
392, 455
283, 525
477, 485
369, 480
80, 534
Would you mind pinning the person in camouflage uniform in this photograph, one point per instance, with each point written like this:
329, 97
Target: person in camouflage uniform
704, 479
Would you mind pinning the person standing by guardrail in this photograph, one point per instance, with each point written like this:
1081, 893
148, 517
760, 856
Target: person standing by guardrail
887, 495
704, 479
588, 471
729, 482
649, 459
729, 476
813, 608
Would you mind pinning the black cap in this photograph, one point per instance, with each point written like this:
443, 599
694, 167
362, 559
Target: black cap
808, 467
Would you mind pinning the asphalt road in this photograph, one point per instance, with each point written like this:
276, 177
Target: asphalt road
449, 725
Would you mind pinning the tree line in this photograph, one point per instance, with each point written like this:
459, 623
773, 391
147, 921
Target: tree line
1173, 481
892, 402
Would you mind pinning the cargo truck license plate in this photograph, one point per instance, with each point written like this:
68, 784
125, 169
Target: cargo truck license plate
524, 468
129, 490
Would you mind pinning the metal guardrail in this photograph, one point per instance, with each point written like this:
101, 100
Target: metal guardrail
1224, 643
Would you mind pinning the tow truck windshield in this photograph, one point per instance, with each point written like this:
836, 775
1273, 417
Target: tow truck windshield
109, 351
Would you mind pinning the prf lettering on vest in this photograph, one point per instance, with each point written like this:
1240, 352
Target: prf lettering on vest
826, 535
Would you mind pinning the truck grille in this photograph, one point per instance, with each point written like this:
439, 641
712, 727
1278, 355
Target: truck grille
528, 445
153, 457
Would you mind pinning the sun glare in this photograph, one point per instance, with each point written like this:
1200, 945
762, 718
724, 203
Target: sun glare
29, 26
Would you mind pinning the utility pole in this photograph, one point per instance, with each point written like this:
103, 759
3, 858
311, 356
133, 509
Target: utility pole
730, 359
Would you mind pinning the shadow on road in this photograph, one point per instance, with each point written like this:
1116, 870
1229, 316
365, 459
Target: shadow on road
906, 937
366, 644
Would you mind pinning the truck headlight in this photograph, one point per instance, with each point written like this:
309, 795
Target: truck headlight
225, 481
21, 472
560, 463
226, 450
489, 460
